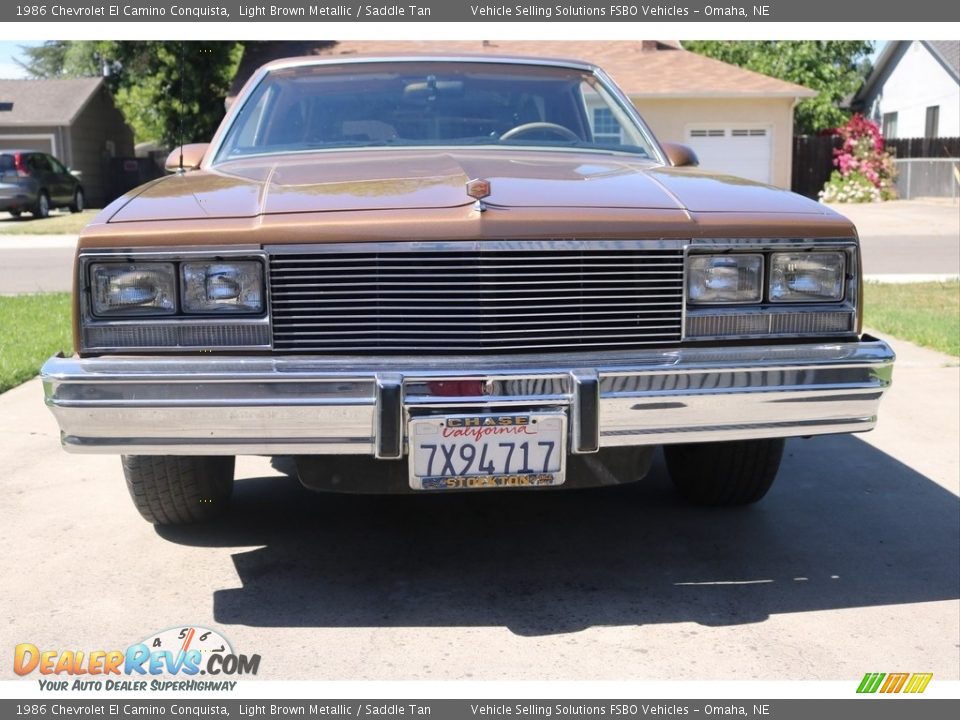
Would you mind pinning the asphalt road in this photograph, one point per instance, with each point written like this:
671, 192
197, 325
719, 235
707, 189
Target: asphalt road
36, 263
849, 565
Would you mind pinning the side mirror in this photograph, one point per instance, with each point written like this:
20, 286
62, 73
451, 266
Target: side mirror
680, 155
192, 157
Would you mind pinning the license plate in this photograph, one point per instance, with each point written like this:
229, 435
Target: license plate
456, 452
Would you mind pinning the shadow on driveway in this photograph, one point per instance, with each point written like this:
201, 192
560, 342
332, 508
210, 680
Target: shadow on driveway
844, 526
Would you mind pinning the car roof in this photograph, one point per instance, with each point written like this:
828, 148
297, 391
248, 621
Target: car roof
14, 151
311, 60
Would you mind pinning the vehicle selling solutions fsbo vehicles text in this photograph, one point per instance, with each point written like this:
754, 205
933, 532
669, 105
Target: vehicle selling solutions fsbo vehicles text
614, 11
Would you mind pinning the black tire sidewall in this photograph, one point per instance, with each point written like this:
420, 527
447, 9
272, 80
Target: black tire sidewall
738, 472
43, 205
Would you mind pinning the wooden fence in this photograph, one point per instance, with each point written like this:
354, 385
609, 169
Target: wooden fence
812, 162
904, 148
813, 157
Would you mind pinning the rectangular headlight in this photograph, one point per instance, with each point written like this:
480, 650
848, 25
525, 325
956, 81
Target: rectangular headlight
222, 287
725, 279
807, 277
133, 288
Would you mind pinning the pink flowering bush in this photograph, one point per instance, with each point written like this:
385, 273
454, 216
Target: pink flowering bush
865, 170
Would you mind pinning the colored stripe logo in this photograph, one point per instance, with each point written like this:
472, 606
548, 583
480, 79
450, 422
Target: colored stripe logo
887, 683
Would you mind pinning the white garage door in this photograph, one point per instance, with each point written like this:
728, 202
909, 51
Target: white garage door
733, 149
43, 143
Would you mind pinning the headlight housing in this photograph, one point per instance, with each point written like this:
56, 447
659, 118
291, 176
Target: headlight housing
124, 289
158, 299
807, 277
776, 288
222, 287
725, 279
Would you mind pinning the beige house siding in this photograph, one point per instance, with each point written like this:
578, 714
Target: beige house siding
669, 118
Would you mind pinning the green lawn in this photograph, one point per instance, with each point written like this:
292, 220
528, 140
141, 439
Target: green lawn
927, 314
32, 328
60, 222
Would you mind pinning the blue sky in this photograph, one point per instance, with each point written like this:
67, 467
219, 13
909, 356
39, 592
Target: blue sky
10, 50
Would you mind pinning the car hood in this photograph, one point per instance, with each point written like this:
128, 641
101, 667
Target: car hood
408, 180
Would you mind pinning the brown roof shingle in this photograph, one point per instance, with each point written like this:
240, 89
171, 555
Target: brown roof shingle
45, 102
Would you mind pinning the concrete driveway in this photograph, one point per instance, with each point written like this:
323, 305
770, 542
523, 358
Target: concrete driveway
849, 565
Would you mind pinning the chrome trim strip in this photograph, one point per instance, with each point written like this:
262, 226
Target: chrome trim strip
555, 245
626, 104
309, 405
585, 412
388, 429
165, 253
480, 59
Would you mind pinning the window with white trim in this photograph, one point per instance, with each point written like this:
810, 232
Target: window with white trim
606, 129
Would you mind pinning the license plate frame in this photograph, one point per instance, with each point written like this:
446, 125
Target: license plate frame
537, 465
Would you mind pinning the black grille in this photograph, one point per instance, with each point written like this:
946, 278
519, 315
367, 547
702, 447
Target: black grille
475, 300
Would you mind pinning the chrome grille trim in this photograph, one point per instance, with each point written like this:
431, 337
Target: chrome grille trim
475, 297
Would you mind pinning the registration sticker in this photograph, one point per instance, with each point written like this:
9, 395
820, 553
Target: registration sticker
464, 452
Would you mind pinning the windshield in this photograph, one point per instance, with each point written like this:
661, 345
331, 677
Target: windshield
430, 103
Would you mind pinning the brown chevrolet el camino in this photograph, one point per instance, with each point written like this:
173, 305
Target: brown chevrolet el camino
472, 269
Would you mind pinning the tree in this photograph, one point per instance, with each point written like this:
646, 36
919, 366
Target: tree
157, 85
834, 68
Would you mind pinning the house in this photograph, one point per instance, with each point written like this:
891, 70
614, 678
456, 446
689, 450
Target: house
739, 122
913, 90
72, 119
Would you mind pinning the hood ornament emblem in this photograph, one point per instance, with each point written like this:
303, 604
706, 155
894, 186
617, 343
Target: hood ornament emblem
478, 189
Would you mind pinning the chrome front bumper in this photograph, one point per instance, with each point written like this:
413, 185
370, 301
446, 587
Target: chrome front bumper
309, 405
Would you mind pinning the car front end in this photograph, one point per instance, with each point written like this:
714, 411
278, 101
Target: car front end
474, 314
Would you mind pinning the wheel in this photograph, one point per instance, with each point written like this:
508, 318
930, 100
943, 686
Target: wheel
42, 208
78, 201
560, 130
174, 490
15, 213
730, 473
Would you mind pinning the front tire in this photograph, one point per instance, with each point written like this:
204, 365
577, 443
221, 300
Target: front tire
42, 209
724, 474
175, 490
